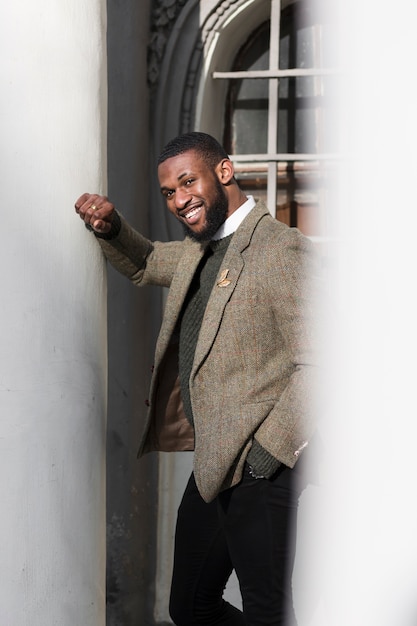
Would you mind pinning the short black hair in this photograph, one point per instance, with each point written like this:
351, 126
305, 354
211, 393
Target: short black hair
207, 146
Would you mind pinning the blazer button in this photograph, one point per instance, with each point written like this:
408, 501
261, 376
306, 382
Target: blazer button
152, 368
147, 403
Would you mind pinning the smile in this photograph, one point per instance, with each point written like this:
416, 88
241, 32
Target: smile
191, 215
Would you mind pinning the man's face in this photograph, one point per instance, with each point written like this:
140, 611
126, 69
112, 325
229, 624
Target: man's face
194, 194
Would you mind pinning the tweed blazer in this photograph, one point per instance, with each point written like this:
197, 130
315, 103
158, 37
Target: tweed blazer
254, 366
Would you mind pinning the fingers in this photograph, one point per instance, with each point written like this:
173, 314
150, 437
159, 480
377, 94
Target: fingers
96, 211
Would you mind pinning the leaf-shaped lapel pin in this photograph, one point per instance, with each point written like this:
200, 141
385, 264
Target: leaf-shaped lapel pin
223, 281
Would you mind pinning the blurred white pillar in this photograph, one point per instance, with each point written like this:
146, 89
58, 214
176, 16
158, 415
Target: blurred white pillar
53, 357
368, 548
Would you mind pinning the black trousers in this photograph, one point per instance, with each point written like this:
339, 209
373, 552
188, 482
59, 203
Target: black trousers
250, 528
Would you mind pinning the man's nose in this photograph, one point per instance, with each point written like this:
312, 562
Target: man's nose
182, 198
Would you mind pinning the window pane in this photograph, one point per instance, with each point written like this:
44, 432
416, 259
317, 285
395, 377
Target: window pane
297, 115
248, 99
250, 119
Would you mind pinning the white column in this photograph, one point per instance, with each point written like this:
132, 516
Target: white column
52, 314
368, 557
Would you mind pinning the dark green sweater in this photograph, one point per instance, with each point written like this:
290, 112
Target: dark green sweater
189, 328
193, 312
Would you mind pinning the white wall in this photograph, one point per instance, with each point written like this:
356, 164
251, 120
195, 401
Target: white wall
53, 315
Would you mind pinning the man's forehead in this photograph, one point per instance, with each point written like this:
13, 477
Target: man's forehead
181, 164
183, 157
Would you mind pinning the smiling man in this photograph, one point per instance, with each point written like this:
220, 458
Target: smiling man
194, 188
233, 379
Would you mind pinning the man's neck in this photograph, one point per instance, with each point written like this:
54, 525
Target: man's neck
235, 219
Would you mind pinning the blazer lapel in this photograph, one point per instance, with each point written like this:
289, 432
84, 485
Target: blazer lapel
225, 284
177, 292
220, 295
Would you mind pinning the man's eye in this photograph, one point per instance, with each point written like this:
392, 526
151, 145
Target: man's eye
189, 181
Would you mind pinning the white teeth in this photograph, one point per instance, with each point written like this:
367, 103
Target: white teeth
191, 213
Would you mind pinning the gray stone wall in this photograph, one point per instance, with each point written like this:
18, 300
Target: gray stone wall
131, 484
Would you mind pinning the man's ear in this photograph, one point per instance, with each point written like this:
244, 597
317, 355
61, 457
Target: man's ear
225, 171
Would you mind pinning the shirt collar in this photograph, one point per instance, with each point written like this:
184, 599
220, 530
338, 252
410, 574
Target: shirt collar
234, 221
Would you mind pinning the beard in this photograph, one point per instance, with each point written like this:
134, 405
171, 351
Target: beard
216, 214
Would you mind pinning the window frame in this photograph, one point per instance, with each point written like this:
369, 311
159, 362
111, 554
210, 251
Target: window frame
273, 160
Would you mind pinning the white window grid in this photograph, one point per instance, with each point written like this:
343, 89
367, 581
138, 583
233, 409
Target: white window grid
272, 158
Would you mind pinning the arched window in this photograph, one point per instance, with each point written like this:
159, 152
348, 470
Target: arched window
278, 115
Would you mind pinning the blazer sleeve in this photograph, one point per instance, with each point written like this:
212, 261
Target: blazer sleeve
143, 261
294, 291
